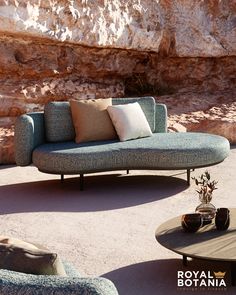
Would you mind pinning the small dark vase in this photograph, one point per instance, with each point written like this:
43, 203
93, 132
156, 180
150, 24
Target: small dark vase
191, 222
222, 219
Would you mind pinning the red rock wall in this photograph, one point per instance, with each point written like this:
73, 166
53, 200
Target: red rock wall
183, 52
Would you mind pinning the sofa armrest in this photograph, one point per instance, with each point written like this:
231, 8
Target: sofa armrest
70, 270
29, 133
16, 283
161, 118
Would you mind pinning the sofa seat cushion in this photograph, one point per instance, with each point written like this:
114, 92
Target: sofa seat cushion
161, 151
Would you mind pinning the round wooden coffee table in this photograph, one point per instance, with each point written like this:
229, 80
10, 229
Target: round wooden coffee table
207, 243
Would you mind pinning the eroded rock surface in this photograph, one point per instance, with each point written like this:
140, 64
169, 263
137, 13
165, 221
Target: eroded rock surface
7, 140
184, 28
57, 50
203, 112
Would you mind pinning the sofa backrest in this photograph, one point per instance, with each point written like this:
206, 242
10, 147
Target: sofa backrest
59, 124
147, 104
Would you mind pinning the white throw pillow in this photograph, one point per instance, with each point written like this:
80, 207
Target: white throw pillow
129, 121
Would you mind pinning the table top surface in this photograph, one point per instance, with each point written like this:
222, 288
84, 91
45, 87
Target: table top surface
207, 243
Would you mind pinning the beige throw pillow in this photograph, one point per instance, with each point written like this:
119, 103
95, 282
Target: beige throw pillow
91, 120
129, 121
25, 257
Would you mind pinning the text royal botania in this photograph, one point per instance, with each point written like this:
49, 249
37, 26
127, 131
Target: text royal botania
200, 279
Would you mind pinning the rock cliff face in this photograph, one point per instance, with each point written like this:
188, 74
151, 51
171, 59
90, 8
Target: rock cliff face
179, 27
56, 50
206, 112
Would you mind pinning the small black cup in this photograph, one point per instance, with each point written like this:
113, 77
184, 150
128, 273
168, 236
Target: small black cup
191, 222
222, 219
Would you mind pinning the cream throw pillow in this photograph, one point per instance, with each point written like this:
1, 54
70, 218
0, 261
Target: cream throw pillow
91, 120
129, 121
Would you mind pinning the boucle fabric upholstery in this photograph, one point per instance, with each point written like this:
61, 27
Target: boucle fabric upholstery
16, 283
58, 122
29, 133
161, 151
160, 118
30, 128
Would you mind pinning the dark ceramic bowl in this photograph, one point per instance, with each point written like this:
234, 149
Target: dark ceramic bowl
222, 219
191, 222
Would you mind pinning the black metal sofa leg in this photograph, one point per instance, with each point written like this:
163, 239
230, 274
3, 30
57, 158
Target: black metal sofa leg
127, 171
62, 177
188, 176
81, 182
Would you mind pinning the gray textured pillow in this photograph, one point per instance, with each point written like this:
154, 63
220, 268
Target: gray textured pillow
58, 122
30, 260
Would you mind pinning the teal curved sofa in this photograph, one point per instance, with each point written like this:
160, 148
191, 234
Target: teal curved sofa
16, 283
47, 139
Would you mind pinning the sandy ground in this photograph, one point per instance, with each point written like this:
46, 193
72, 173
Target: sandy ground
109, 229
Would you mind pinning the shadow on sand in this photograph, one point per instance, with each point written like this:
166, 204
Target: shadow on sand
105, 192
